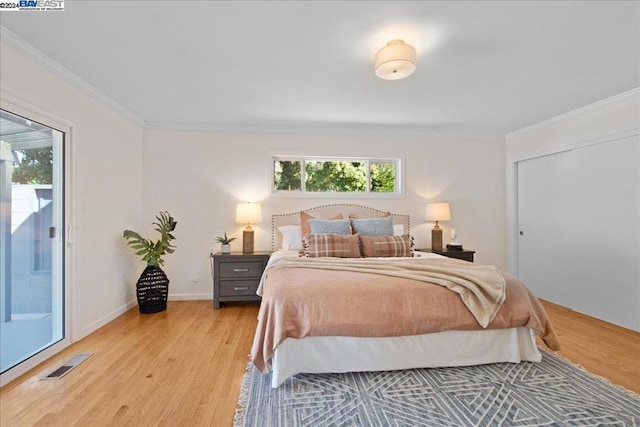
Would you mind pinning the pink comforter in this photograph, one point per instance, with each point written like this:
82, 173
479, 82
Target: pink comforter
302, 302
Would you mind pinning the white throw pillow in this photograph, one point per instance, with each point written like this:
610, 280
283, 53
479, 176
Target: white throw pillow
291, 237
398, 229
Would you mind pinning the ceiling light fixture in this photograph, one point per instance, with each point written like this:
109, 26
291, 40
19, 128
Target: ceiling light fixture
395, 61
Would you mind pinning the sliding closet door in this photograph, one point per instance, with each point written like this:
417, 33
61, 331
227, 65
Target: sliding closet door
579, 224
544, 185
606, 229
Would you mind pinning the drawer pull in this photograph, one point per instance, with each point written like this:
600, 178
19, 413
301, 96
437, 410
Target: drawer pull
240, 288
239, 270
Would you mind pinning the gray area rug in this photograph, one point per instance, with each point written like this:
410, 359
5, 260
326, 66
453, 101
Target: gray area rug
551, 393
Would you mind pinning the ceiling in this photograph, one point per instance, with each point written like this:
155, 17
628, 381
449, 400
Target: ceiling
484, 68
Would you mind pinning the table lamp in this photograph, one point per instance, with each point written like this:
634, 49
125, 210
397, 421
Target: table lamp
437, 212
248, 213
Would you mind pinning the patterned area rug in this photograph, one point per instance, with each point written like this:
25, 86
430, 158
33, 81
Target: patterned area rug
553, 392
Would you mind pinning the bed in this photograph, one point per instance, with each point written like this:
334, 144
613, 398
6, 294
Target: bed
344, 314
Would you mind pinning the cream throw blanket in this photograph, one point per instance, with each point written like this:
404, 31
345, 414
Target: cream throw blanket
481, 287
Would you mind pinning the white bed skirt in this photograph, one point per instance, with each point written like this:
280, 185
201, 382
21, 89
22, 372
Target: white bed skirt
452, 348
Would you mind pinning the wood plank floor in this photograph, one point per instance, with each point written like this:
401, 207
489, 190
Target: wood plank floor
184, 367
600, 347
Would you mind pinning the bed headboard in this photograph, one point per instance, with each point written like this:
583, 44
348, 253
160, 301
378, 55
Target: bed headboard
327, 211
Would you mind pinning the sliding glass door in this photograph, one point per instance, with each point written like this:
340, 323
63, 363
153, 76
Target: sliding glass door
31, 238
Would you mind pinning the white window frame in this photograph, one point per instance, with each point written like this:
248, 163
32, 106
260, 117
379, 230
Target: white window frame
399, 181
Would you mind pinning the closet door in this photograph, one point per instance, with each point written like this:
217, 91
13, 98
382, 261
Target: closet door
544, 246
579, 219
605, 231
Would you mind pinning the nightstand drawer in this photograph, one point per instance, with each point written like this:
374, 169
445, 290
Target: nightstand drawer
241, 269
465, 254
460, 255
238, 287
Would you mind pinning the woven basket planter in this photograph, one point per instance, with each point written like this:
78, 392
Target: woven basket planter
152, 289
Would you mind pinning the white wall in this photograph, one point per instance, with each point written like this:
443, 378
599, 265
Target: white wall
200, 176
106, 180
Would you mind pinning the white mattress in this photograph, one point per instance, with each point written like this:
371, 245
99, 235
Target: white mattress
442, 349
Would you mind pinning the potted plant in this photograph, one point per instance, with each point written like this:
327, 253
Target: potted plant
152, 287
225, 243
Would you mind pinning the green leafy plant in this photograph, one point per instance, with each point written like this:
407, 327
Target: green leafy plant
152, 252
35, 167
225, 240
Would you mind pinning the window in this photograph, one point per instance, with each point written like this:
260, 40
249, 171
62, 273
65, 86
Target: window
349, 176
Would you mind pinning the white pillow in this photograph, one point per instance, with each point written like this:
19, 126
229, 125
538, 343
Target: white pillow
398, 229
291, 237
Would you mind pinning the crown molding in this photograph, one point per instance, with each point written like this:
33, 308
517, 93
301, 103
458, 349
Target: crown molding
19, 45
630, 95
322, 129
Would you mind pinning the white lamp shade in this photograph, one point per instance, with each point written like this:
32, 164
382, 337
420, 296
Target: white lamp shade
248, 213
437, 212
395, 61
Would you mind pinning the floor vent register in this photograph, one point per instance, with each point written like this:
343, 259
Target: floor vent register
67, 366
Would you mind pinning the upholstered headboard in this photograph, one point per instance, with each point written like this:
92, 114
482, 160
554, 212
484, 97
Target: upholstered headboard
327, 211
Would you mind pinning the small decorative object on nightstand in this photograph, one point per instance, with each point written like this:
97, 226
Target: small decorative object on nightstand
236, 276
454, 245
225, 243
463, 254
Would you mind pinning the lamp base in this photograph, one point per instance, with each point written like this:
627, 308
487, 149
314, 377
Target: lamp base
436, 238
247, 241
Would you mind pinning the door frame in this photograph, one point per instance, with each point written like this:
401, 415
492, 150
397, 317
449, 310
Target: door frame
23, 108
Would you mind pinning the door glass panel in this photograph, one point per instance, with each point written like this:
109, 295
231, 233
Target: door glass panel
31, 250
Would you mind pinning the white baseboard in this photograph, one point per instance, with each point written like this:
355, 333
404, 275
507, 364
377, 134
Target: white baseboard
104, 320
190, 297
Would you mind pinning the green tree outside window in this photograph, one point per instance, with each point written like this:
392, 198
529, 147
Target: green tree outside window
335, 176
36, 166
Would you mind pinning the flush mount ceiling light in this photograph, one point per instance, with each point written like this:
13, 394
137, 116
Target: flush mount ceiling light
395, 61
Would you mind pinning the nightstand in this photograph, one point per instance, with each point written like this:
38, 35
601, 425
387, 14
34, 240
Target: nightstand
236, 276
464, 254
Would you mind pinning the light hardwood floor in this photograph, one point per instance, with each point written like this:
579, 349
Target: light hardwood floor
601, 348
184, 367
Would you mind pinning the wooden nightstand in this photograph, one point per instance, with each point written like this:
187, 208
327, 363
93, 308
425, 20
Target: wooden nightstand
464, 254
236, 276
